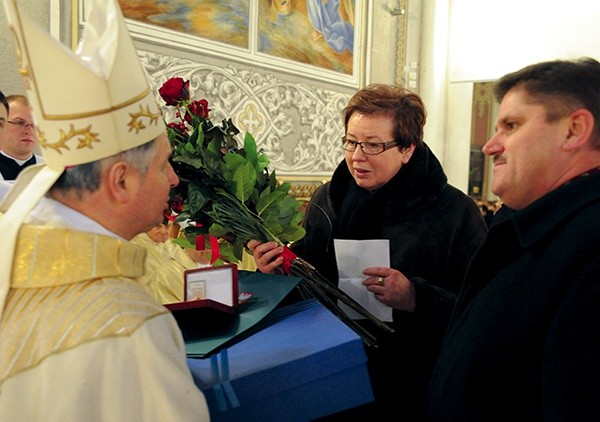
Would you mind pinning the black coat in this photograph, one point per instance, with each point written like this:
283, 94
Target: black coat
524, 342
433, 230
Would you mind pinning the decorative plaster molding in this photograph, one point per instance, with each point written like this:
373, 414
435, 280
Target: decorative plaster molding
298, 125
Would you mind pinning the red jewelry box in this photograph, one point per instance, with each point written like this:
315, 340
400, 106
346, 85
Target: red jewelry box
211, 301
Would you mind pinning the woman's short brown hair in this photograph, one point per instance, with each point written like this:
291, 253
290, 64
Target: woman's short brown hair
405, 107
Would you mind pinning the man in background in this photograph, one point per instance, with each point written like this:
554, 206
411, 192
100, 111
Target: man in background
17, 149
524, 340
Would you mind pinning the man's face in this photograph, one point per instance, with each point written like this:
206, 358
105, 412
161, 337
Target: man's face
160, 233
152, 196
21, 136
526, 149
3, 124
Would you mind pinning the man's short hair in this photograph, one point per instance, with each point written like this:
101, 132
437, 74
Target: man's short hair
561, 86
18, 98
86, 177
404, 107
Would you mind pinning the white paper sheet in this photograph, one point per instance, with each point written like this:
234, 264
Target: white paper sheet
352, 257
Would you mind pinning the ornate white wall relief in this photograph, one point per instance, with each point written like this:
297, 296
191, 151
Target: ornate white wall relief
298, 125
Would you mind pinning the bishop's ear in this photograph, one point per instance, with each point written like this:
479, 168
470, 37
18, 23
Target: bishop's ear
121, 178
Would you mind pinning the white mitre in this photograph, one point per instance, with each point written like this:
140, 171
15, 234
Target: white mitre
87, 105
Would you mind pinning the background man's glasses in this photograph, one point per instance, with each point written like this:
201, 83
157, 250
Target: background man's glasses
22, 124
369, 148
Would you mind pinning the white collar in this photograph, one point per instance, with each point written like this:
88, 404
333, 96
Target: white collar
50, 212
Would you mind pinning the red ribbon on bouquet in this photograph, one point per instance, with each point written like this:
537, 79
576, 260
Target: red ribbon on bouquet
215, 251
288, 258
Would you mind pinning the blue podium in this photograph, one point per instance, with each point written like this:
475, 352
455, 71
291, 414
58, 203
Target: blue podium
303, 364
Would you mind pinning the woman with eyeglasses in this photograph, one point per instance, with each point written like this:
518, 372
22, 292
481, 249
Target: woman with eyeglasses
391, 186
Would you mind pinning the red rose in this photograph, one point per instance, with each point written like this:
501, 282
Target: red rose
178, 127
177, 130
174, 91
198, 108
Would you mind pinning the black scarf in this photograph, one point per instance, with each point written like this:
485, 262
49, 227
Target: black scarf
361, 213
353, 218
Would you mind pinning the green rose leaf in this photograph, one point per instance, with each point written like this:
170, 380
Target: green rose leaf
189, 160
183, 242
244, 179
198, 197
263, 163
232, 163
231, 253
293, 233
250, 148
268, 200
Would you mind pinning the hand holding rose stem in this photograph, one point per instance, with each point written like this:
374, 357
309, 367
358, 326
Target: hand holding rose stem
229, 213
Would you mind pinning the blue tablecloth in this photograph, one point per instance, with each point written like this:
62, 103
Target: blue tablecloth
304, 365
268, 290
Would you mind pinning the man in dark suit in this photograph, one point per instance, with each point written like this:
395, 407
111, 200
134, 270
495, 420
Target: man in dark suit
524, 339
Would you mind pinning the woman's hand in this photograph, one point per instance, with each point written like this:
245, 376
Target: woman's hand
391, 287
267, 256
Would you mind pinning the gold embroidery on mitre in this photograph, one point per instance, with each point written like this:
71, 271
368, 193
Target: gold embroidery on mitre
136, 122
85, 137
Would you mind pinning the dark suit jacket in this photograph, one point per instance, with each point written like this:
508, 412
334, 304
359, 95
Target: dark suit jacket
524, 341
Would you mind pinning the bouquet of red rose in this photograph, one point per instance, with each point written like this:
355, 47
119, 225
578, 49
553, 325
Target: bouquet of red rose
229, 193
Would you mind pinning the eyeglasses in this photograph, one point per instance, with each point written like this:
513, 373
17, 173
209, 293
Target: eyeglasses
22, 124
369, 148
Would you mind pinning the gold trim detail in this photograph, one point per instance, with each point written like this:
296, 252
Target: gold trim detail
97, 112
303, 192
303, 187
137, 124
85, 136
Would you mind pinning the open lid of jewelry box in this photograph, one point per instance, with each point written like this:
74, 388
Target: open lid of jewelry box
210, 300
